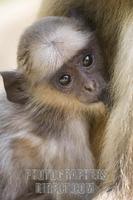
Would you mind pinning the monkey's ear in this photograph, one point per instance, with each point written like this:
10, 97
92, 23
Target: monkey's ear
15, 87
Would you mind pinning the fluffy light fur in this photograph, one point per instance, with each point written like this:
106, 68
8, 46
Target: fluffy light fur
53, 44
22, 149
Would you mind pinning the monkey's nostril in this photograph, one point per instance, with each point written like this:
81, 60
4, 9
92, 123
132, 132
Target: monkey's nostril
91, 86
88, 88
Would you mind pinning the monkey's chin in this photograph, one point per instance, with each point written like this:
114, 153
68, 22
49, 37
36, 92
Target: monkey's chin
95, 107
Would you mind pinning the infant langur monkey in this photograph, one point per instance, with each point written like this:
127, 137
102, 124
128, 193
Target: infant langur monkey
59, 82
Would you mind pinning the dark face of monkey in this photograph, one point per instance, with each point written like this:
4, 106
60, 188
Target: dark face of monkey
82, 76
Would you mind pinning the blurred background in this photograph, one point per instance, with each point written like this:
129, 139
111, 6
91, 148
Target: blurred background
15, 16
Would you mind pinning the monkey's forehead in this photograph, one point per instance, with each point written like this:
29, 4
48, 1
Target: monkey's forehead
52, 42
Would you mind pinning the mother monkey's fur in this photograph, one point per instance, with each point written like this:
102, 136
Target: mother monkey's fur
114, 24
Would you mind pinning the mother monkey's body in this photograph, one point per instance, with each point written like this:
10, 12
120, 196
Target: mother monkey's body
114, 24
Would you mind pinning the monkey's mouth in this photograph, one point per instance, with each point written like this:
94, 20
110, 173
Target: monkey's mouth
102, 97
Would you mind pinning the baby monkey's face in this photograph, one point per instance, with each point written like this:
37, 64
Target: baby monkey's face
63, 58
83, 76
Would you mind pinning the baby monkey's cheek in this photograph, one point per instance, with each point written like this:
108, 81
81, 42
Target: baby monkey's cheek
91, 89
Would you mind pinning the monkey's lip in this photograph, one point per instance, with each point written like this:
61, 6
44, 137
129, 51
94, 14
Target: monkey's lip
97, 102
104, 99
92, 101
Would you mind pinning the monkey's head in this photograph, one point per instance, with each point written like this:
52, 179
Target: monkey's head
61, 61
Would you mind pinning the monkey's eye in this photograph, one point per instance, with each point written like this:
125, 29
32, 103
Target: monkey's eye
88, 60
65, 80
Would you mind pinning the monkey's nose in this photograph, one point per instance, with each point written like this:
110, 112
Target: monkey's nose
90, 86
